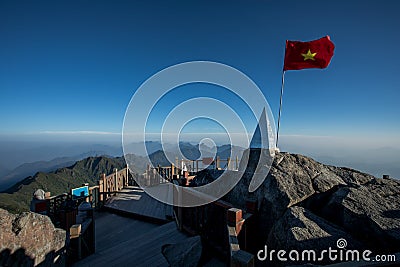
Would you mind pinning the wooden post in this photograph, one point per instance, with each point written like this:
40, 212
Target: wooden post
87, 199
158, 174
197, 166
101, 185
105, 187
181, 166
147, 175
217, 163
228, 163
180, 211
116, 179
127, 176
237, 160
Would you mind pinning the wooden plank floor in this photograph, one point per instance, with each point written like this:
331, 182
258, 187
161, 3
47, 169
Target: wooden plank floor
135, 201
122, 241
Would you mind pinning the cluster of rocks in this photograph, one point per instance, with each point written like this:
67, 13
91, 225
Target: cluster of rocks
30, 239
304, 204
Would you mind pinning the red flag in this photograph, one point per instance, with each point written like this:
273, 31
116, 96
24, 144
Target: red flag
304, 55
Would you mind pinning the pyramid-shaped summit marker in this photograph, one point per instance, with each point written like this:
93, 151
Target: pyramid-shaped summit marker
263, 137
258, 159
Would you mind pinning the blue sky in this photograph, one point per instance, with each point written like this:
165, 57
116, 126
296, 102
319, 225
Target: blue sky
72, 66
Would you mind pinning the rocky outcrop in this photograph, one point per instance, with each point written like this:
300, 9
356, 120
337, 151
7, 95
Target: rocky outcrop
304, 204
29, 239
370, 212
299, 229
187, 253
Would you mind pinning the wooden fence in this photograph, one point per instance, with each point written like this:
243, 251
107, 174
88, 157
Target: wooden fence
216, 163
219, 224
111, 184
62, 209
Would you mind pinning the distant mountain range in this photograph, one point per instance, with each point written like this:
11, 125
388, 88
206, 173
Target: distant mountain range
8, 178
15, 153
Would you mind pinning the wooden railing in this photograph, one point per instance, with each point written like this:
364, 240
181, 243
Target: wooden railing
161, 174
208, 221
216, 163
62, 209
236, 226
219, 224
111, 184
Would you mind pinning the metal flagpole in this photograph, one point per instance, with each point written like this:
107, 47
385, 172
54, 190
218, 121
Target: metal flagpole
280, 108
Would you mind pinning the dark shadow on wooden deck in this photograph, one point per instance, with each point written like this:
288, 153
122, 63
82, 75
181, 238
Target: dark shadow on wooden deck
133, 202
122, 241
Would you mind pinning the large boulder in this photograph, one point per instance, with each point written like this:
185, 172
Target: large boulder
370, 211
350, 176
291, 180
301, 230
296, 177
304, 204
29, 239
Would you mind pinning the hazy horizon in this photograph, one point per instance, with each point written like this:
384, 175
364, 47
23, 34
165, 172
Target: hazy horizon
377, 158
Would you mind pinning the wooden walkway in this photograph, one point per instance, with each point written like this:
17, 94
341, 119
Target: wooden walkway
133, 201
122, 241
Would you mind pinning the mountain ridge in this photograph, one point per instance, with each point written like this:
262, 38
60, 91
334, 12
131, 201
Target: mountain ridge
10, 177
17, 198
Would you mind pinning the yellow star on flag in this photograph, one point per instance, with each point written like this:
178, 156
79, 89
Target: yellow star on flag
309, 55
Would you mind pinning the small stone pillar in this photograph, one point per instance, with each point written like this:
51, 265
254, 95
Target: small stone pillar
234, 218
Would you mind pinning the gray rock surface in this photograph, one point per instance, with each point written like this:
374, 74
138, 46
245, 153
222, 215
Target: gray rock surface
300, 229
303, 204
291, 180
28, 239
185, 253
370, 212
